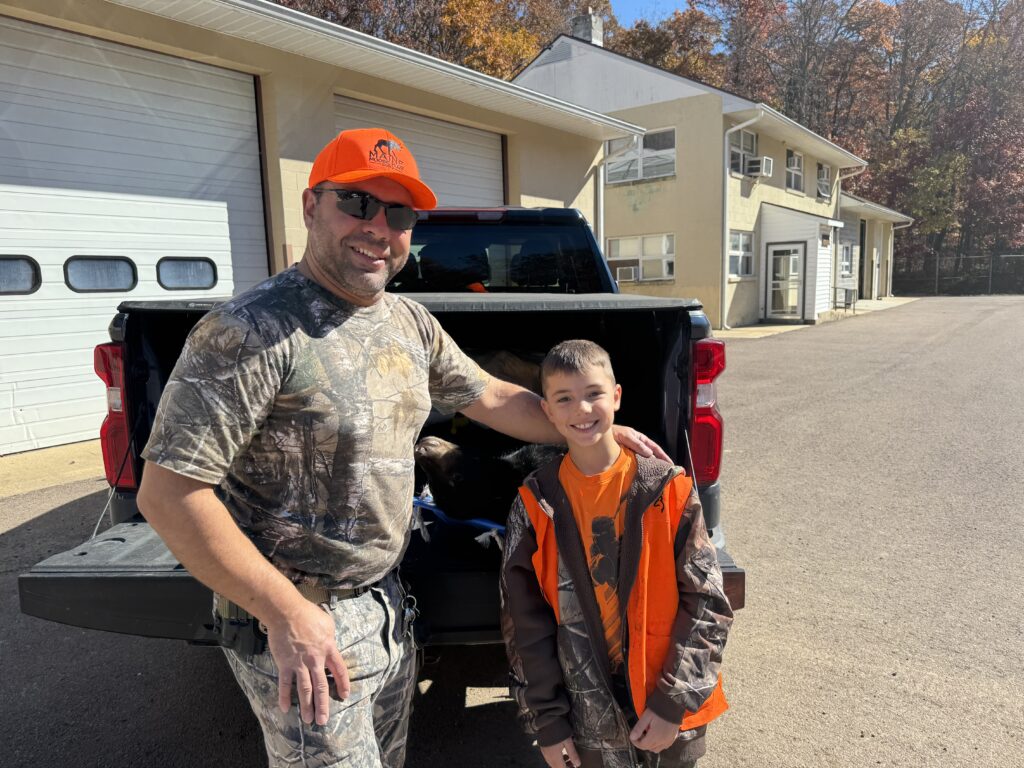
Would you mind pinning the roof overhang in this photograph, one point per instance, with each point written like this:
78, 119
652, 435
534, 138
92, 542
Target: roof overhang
265, 23
852, 204
798, 136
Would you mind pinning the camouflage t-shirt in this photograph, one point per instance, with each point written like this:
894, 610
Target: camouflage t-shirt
304, 410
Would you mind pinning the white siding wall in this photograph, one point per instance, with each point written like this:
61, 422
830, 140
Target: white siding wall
823, 287
779, 226
108, 150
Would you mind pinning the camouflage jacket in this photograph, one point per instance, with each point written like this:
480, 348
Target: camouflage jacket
560, 673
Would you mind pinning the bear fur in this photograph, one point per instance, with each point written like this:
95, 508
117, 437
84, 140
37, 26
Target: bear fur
474, 483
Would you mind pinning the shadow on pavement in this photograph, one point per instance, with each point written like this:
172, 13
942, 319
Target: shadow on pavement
446, 732
88, 698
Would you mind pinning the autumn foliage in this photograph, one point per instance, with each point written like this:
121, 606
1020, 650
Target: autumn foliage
930, 92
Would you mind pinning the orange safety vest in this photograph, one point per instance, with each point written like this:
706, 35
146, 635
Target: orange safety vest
653, 602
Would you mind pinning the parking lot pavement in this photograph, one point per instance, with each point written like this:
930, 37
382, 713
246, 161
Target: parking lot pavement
871, 487
862, 308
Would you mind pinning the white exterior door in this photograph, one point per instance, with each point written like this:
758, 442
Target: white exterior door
464, 166
124, 175
785, 268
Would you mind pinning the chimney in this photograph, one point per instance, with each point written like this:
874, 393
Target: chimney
589, 27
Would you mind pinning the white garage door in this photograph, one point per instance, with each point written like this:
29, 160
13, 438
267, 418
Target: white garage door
113, 161
462, 165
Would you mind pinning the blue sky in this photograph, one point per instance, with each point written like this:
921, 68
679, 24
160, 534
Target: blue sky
628, 11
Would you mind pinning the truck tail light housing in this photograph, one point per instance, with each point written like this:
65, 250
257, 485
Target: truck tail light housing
115, 439
706, 436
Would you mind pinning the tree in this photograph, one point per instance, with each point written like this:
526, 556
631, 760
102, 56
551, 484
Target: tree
683, 43
748, 29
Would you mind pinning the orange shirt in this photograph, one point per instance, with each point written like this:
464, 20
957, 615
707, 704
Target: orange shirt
598, 504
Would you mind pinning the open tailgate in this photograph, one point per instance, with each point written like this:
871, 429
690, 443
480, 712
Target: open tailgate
98, 585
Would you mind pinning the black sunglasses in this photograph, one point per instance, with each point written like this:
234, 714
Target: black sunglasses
363, 205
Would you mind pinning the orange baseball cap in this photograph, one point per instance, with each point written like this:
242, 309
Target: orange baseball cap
371, 153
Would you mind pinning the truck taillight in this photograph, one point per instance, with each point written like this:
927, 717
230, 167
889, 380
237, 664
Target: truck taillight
706, 437
115, 440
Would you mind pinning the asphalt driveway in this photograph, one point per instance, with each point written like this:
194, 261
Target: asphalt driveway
872, 488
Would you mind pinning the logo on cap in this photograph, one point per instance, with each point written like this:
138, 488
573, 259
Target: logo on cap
385, 152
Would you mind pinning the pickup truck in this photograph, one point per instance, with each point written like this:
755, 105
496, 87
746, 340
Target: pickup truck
515, 280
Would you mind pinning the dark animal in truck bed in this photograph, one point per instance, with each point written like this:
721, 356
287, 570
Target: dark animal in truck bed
472, 483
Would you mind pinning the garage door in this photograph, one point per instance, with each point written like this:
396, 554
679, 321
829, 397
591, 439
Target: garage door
124, 175
462, 165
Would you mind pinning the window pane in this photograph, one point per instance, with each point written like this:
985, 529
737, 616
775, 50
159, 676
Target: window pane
177, 274
99, 274
670, 243
749, 142
652, 270
734, 240
624, 248
617, 145
734, 263
654, 245
735, 161
659, 165
18, 274
660, 140
623, 170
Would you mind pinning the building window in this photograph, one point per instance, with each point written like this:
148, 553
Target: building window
794, 170
653, 157
742, 147
824, 182
846, 259
89, 274
182, 274
18, 274
648, 257
741, 253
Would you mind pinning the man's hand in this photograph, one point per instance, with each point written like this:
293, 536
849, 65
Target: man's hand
653, 733
638, 442
303, 646
557, 754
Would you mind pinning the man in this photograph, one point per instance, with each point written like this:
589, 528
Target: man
280, 466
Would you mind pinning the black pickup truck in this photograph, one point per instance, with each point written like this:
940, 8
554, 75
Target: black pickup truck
516, 280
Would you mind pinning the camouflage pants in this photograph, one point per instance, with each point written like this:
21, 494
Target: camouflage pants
688, 748
367, 730
632, 759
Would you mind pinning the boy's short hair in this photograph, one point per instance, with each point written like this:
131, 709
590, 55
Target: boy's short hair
575, 356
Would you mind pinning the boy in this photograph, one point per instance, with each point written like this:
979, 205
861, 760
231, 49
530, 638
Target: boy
613, 608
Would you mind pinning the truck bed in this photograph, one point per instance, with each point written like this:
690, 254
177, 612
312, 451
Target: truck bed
125, 580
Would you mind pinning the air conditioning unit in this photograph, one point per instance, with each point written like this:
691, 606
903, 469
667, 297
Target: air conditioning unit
760, 166
626, 274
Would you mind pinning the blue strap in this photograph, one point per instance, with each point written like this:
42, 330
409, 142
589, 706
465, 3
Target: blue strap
479, 523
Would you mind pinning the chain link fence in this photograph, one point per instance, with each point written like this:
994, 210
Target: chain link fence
941, 275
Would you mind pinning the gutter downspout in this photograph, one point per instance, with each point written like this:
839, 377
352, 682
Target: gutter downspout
599, 224
725, 215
